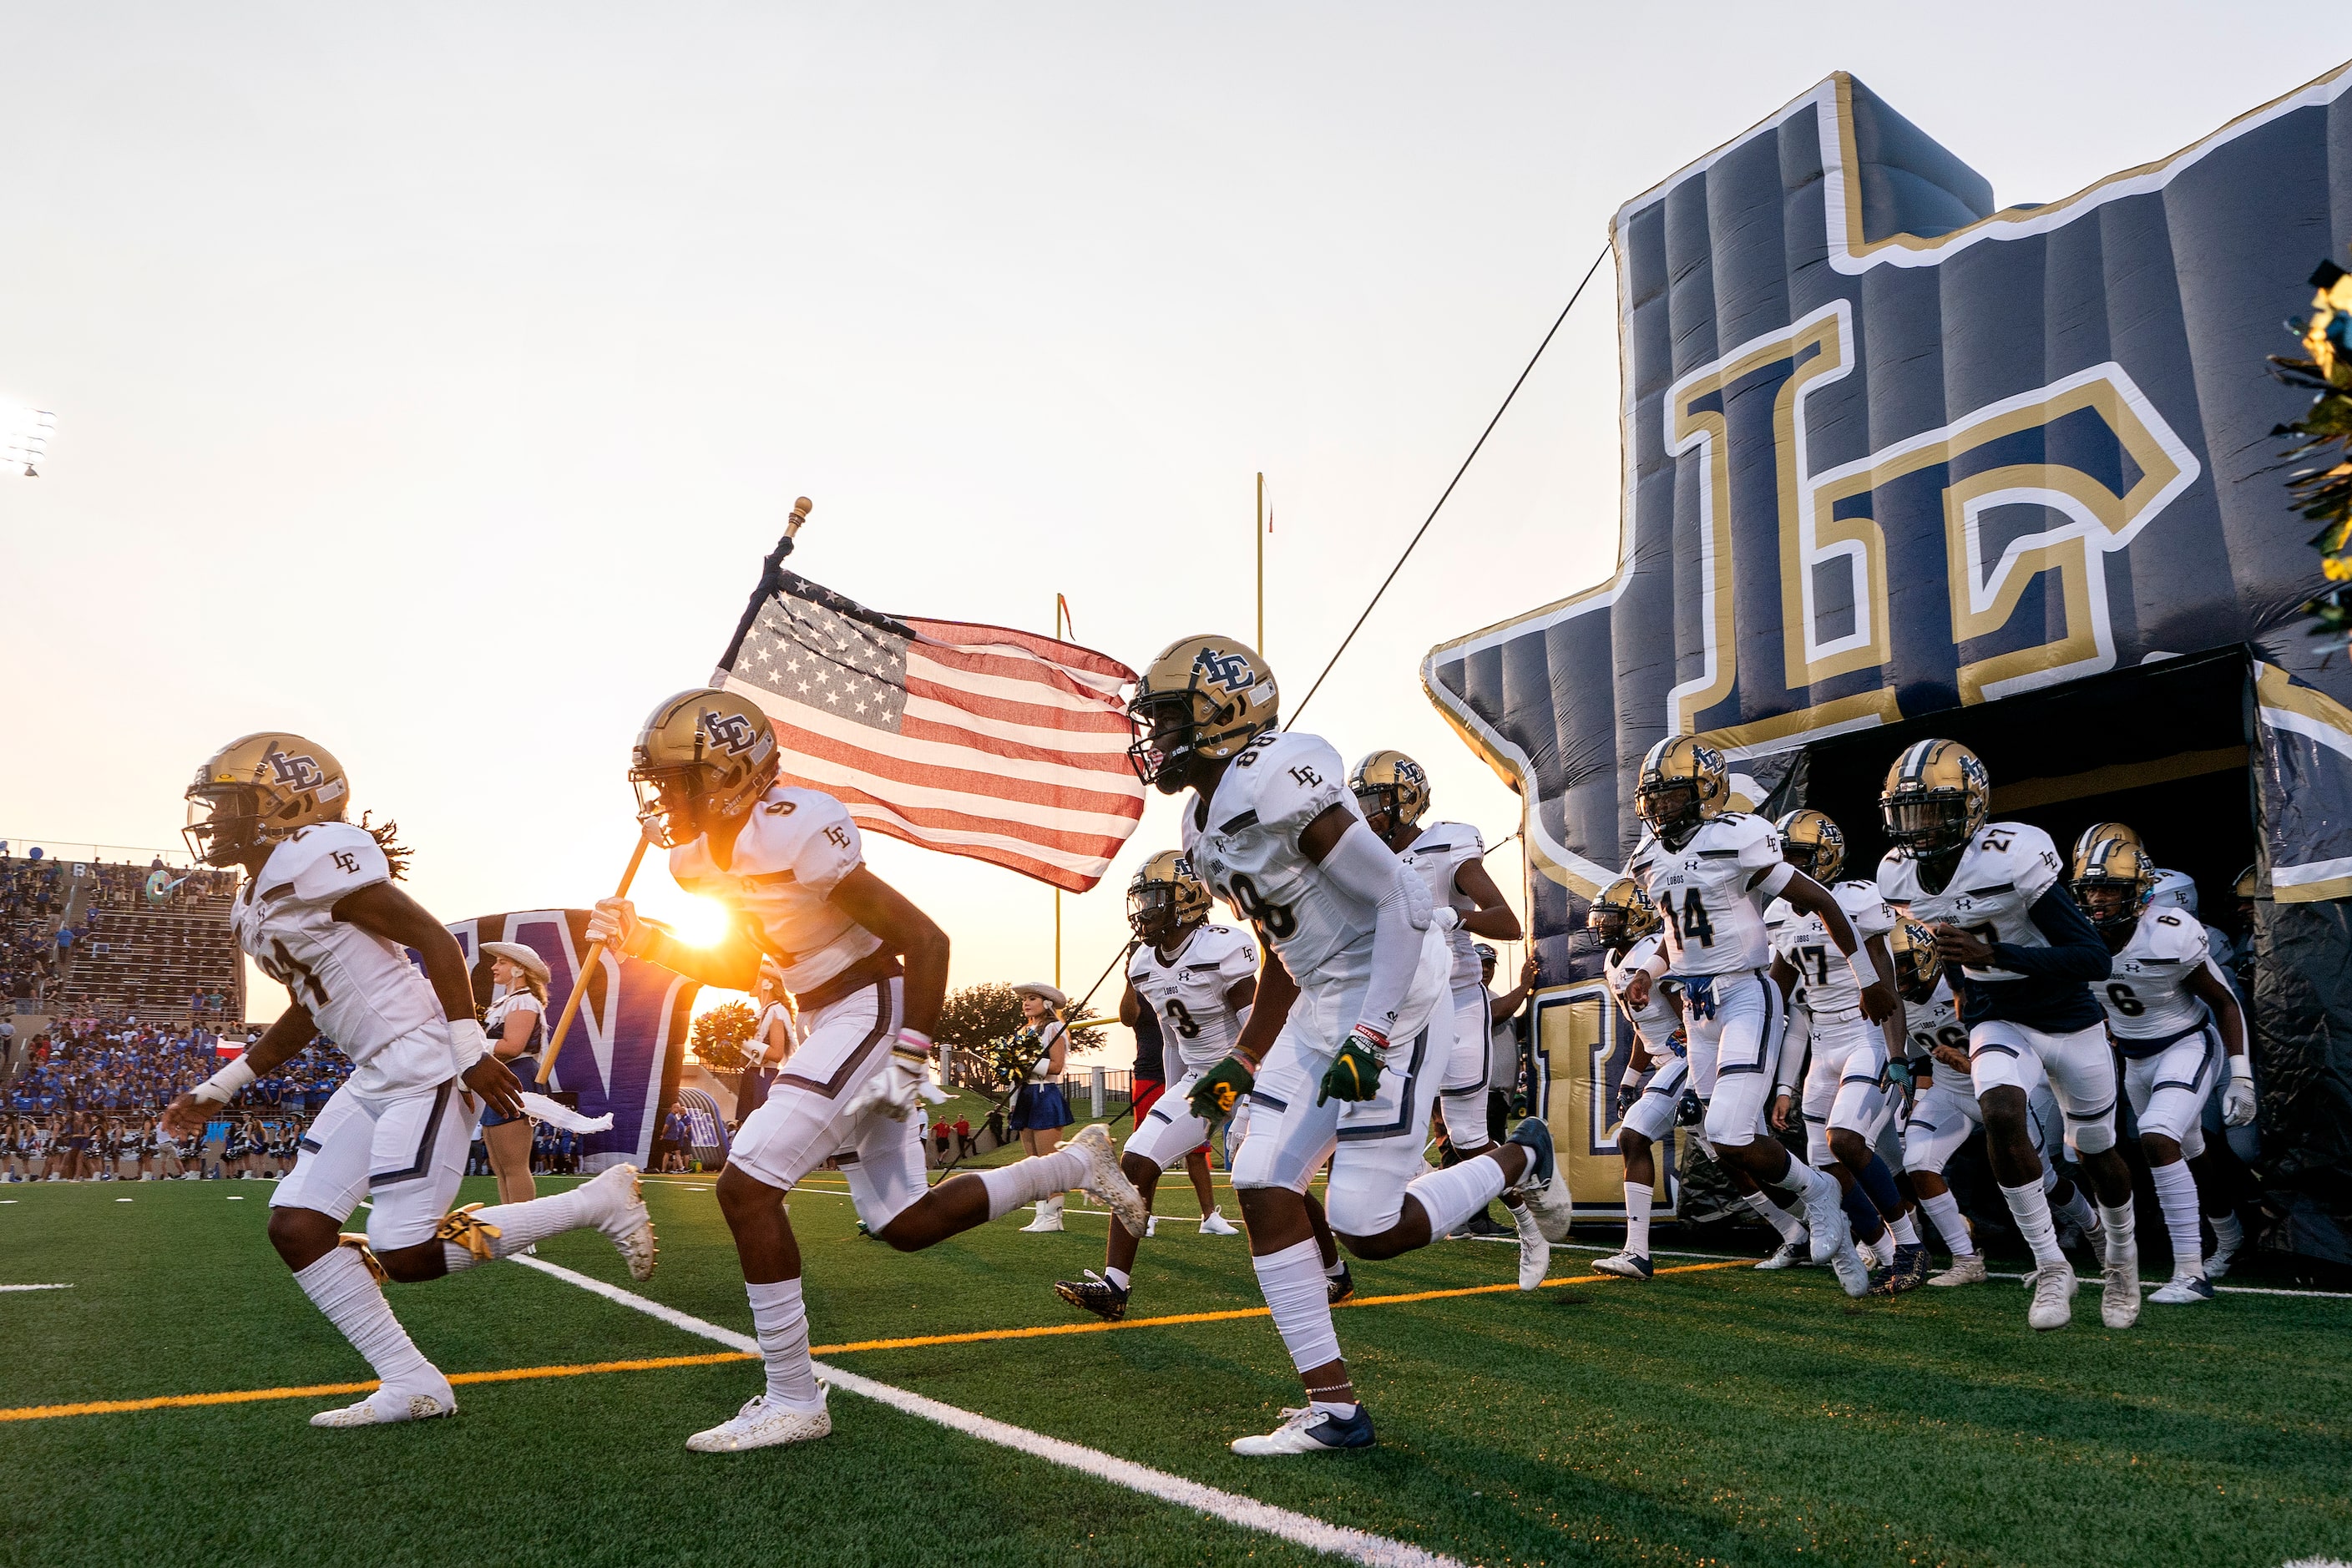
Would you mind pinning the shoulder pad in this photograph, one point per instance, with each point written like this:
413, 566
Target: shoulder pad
323, 862
1290, 780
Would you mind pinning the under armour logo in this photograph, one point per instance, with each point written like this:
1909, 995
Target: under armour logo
1229, 671
295, 773
731, 732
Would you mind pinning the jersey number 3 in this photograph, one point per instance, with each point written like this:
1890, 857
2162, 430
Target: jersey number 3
1691, 924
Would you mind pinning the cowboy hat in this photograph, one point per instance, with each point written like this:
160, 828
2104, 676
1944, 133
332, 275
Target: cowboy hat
521, 957
1043, 992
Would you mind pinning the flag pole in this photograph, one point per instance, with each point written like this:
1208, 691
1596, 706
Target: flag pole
773, 564
1261, 565
1061, 618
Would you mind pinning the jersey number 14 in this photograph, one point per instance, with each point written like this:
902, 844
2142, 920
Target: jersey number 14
1690, 923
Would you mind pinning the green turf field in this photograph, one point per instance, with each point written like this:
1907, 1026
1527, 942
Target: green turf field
1719, 1416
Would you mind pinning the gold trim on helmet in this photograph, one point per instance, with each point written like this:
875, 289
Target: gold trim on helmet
1814, 844
704, 756
2247, 887
1165, 897
2113, 863
1681, 785
2096, 834
1937, 795
1917, 962
1389, 782
260, 789
1622, 915
1202, 698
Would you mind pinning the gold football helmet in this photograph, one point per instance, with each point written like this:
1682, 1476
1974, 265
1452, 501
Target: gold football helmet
1165, 897
2115, 883
2096, 834
257, 790
1622, 914
1917, 962
2245, 885
704, 756
1391, 782
1811, 843
1203, 699
1937, 795
1681, 785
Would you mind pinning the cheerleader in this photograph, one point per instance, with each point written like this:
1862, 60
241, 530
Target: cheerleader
1039, 1110
516, 1024
773, 1041
15, 1148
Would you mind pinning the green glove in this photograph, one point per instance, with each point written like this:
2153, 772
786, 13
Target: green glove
1355, 1072
1212, 1097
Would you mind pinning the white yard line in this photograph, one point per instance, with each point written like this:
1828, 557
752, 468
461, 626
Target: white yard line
36, 1286
1230, 1508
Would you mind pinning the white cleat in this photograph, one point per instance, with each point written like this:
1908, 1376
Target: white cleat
386, 1405
1825, 1214
1968, 1270
1217, 1224
1308, 1431
2184, 1292
2054, 1297
1796, 1254
2119, 1300
1534, 1249
1108, 1181
2224, 1254
1151, 1227
764, 1423
1851, 1271
623, 1219
1625, 1266
1049, 1219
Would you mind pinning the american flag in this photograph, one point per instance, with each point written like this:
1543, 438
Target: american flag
973, 740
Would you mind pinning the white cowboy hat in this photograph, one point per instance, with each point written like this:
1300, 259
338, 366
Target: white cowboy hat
1043, 992
521, 957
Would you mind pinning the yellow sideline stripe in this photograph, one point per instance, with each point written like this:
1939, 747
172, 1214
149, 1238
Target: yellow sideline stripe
653, 1363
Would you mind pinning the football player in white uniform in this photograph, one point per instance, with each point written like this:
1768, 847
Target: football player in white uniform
1845, 1106
2176, 1021
319, 914
1351, 1026
1706, 869
1624, 924
870, 970
1450, 858
1994, 896
1197, 978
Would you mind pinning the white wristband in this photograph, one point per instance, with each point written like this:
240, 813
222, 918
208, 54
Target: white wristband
221, 1087
1866, 968
468, 1044
2241, 1069
914, 1042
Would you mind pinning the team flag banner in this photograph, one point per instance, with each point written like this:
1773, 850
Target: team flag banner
972, 740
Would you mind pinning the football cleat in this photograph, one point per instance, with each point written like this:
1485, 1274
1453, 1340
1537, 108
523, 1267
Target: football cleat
1310, 1431
623, 1220
2120, 1296
1341, 1285
704, 756
2225, 1251
1534, 1249
1852, 1272
1796, 1254
2184, 1292
1908, 1272
1392, 786
1937, 795
1096, 1294
1968, 1270
1217, 1224
1165, 898
386, 1405
2054, 1296
1541, 1188
763, 1423
1825, 1214
1049, 1219
1625, 1266
1107, 1181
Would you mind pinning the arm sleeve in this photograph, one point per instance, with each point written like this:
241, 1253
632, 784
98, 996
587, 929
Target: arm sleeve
2076, 951
1361, 866
1794, 1047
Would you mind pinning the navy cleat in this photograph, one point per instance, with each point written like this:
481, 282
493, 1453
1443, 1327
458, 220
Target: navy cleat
1311, 1431
1908, 1272
1341, 1285
1625, 1266
1540, 1187
1096, 1294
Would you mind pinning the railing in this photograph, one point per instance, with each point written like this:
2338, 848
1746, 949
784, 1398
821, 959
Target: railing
20, 847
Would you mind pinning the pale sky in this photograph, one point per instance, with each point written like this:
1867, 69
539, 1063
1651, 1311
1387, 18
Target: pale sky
430, 380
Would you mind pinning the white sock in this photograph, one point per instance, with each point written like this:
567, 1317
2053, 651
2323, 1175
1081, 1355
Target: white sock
1032, 1179
1292, 1283
1789, 1225
2029, 1206
2228, 1234
2076, 1210
1945, 1210
1337, 1267
2176, 1194
1905, 1233
1637, 1219
1115, 1276
783, 1327
1452, 1195
524, 1225
340, 1286
2117, 1223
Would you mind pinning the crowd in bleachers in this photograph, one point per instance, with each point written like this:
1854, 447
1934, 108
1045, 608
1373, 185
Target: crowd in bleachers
99, 1065
34, 895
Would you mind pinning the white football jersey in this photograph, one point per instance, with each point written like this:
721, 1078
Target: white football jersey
1655, 1022
1714, 924
1188, 991
1826, 988
1244, 843
2147, 995
1932, 1023
792, 852
2000, 875
361, 991
1438, 854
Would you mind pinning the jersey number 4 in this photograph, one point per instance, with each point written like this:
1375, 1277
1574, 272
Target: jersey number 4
1691, 924
292, 973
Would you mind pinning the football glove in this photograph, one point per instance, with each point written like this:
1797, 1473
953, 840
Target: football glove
1689, 1111
902, 1083
1355, 1072
1901, 1076
1212, 1097
2238, 1102
615, 923
1626, 1094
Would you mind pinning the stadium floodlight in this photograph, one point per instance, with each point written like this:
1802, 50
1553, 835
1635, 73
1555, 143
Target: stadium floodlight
24, 438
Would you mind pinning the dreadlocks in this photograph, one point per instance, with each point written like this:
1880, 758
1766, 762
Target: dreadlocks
387, 840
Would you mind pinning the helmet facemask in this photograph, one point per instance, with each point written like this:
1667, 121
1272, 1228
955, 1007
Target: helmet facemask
1674, 808
2113, 903
224, 824
1609, 926
1928, 823
1152, 912
1168, 726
